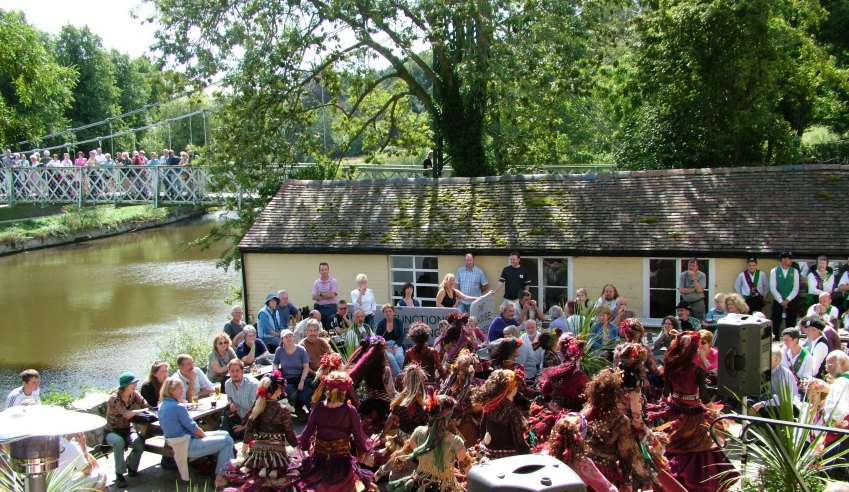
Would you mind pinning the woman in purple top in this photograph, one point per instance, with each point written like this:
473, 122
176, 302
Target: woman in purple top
330, 467
294, 363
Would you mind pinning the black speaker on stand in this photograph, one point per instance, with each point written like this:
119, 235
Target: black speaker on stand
744, 343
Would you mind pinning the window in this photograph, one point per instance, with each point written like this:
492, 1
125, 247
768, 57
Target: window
421, 271
662, 277
550, 277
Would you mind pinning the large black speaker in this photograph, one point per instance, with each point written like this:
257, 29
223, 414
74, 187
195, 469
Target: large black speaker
524, 473
744, 343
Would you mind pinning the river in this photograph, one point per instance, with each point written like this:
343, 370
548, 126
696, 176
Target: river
81, 314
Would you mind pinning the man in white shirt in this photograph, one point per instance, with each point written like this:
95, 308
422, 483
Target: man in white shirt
824, 309
784, 286
817, 345
531, 359
836, 405
753, 285
195, 382
28, 391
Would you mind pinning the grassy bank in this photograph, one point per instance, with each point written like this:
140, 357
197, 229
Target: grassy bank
73, 220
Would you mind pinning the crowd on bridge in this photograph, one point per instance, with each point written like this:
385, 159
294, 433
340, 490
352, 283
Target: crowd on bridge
586, 384
105, 176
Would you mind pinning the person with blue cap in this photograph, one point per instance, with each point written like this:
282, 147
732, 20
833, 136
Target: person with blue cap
123, 406
269, 324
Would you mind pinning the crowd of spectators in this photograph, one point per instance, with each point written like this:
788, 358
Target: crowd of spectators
511, 385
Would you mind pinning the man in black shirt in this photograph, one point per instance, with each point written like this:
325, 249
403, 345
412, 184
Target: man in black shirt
514, 279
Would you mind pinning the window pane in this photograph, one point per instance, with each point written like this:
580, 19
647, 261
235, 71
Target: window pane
661, 303
402, 262
427, 263
402, 277
397, 291
427, 278
423, 292
532, 265
427, 303
555, 271
662, 274
554, 296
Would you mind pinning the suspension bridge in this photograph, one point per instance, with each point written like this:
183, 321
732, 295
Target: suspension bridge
177, 185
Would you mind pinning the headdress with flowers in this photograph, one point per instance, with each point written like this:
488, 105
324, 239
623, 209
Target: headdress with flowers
632, 329
571, 347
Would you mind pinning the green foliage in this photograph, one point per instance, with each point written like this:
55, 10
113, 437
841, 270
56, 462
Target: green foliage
185, 339
59, 397
723, 83
57, 481
73, 220
805, 448
34, 89
96, 95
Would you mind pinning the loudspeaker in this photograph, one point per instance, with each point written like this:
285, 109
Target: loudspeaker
527, 472
744, 343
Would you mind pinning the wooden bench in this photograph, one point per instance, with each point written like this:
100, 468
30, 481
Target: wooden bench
157, 445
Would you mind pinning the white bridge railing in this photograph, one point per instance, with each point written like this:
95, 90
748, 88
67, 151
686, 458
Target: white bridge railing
175, 185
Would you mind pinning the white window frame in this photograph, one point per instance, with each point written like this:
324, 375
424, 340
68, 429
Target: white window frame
415, 271
540, 277
647, 282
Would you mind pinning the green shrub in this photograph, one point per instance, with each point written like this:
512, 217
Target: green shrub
59, 397
185, 339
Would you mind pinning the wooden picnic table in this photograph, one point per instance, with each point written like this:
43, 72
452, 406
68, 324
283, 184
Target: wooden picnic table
202, 409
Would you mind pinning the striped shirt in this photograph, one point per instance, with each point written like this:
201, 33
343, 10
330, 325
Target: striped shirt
17, 396
244, 396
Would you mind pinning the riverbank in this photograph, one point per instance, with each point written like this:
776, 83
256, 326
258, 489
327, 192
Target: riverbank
74, 225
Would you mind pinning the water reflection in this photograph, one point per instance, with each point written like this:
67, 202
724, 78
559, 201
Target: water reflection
84, 313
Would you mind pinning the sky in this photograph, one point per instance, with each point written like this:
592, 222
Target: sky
110, 20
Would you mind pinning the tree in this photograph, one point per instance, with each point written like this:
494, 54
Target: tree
302, 43
723, 82
96, 96
34, 89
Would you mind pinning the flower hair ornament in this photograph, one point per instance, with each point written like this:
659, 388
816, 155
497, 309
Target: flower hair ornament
337, 383
572, 348
630, 327
456, 317
330, 360
375, 339
261, 392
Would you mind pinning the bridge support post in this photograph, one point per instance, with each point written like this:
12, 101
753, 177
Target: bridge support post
156, 186
10, 185
80, 186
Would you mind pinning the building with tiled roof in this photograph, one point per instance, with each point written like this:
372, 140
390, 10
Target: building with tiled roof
634, 229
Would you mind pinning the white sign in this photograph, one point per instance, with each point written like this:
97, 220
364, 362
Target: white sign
482, 310
430, 316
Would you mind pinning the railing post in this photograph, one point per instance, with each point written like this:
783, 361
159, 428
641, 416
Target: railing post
10, 185
81, 187
156, 186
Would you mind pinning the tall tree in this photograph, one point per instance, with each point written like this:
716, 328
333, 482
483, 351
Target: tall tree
96, 95
301, 43
34, 89
722, 82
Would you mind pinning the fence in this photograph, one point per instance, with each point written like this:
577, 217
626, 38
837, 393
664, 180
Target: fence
170, 185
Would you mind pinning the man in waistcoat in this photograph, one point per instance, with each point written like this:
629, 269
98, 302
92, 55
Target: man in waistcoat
753, 285
784, 286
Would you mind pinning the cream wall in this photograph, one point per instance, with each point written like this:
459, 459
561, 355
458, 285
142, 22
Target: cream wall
626, 273
295, 273
267, 272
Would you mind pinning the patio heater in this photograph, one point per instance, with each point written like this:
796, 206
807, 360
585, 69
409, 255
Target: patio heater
32, 433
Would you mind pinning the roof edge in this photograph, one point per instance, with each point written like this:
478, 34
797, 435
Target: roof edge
589, 176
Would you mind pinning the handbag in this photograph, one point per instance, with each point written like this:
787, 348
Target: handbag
145, 417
